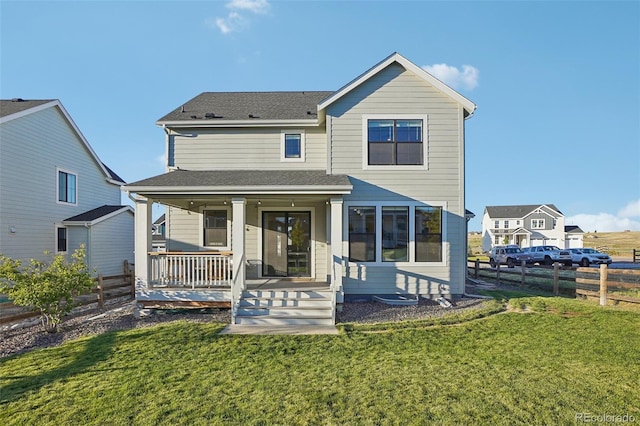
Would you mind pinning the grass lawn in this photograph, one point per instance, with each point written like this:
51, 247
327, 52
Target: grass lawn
557, 358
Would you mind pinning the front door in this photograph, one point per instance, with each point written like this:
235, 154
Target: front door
286, 244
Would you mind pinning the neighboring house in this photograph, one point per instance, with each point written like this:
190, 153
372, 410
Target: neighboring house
353, 193
158, 234
528, 226
55, 193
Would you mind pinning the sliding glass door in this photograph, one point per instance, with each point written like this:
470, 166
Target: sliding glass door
286, 244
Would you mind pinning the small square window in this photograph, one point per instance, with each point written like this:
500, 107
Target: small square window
292, 146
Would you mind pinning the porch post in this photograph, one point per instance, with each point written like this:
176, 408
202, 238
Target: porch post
142, 246
237, 238
336, 247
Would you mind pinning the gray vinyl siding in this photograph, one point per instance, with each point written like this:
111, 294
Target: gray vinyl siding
111, 244
397, 91
31, 148
256, 149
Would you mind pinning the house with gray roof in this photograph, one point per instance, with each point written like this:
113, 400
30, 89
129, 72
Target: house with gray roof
55, 193
528, 226
282, 205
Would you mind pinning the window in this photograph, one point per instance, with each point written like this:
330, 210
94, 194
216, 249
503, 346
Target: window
362, 234
395, 142
386, 233
506, 224
67, 187
395, 234
537, 224
496, 224
61, 240
428, 234
496, 240
292, 146
215, 228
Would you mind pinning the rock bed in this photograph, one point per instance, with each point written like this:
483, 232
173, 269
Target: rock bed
29, 335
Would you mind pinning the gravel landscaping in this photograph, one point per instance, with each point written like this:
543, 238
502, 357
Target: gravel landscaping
23, 337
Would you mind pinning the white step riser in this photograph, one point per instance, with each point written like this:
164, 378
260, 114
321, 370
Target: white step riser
265, 320
286, 294
285, 303
288, 312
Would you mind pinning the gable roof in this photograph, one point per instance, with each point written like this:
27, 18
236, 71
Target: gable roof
96, 215
520, 211
216, 108
11, 109
160, 220
468, 106
243, 181
573, 229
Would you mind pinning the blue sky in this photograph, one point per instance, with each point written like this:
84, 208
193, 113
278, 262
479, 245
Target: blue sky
557, 84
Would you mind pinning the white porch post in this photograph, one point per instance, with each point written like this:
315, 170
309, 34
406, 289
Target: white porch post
238, 238
143, 224
336, 247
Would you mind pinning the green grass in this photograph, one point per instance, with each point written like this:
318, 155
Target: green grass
560, 358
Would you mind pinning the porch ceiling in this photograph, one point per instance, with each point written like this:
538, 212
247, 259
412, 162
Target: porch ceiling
242, 182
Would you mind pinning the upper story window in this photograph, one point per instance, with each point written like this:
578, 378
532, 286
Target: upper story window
496, 224
67, 187
537, 224
506, 224
292, 145
395, 142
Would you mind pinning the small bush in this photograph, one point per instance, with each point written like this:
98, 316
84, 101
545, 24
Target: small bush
47, 287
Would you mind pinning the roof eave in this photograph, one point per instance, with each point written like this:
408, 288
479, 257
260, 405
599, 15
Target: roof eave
237, 123
247, 190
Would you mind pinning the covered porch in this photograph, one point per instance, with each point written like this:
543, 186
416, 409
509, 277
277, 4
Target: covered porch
234, 242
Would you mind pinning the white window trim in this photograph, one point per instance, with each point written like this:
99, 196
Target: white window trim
55, 240
540, 222
283, 158
201, 227
58, 170
394, 167
412, 231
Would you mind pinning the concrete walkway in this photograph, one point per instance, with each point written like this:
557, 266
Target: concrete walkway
279, 329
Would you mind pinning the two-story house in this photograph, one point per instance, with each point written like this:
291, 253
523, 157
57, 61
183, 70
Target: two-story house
55, 193
286, 203
528, 226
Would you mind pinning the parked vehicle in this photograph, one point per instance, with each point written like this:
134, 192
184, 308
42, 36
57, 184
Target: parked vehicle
547, 255
587, 256
507, 255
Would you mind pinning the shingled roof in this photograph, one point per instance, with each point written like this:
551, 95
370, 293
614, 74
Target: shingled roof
249, 181
12, 106
95, 214
223, 106
509, 212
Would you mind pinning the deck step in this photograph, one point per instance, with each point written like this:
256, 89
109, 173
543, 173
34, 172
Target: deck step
282, 303
271, 320
284, 311
287, 294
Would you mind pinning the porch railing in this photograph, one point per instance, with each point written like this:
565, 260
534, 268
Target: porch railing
190, 270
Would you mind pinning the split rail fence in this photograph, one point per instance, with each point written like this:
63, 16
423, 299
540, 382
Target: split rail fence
604, 283
107, 288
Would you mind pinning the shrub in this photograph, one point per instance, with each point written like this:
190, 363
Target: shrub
46, 286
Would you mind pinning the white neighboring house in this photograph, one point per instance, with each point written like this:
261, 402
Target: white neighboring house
55, 193
528, 226
323, 196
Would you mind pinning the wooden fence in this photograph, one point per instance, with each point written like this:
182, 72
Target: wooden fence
608, 284
107, 288
553, 278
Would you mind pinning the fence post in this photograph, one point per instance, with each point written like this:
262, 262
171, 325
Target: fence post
126, 267
132, 281
604, 272
556, 278
100, 293
523, 265
476, 270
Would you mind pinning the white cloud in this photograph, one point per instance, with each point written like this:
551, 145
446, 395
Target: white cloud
627, 218
162, 159
236, 21
255, 6
467, 78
